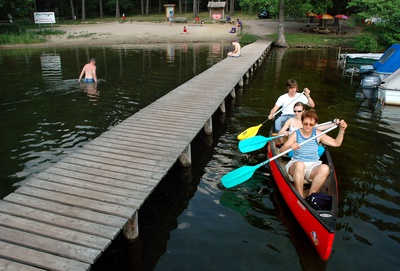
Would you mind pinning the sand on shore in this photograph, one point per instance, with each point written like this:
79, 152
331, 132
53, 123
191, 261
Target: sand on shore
131, 32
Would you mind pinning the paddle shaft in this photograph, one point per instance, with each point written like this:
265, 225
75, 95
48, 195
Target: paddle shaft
258, 142
301, 144
277, 112
244, 173
252, 131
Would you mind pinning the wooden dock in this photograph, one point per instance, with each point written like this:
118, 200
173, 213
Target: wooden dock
66, 216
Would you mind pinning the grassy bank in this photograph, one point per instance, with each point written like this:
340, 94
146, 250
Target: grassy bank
26, 34
315, 40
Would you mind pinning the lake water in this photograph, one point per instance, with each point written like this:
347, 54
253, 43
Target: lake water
191, 222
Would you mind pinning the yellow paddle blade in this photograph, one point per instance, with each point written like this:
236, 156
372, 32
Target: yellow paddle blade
249, 132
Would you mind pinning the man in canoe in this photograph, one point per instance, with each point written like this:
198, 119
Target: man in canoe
305, 162
289, 98
90, 72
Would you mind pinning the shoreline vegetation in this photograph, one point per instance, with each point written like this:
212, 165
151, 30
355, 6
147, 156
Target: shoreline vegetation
154, 29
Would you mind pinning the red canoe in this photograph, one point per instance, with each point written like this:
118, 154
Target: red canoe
319, 225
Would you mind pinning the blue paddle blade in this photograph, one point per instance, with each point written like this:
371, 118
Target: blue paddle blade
238, 176
253, 143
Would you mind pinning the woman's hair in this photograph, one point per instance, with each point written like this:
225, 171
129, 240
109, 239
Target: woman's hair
299, 104
291, 83
311, 114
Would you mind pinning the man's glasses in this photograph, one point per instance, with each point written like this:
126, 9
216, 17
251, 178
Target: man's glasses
297, 111
308, 124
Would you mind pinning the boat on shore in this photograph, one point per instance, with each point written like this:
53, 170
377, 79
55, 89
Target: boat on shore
388, 63
319, 225
389, 89
357, 60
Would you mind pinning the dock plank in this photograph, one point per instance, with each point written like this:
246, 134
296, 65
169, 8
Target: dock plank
124, 155
61, 220
99, 187
116, 142
54, 232
83, 214
89, 178
134, 172
117, 160
6, 265
137, 137
146, 182
95, 205
48, 245
84, 193
40, 259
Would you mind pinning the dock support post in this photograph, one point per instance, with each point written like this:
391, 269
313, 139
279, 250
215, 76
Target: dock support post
241, 84
233, 93
222, 107
185, 158
208, 126
131, 228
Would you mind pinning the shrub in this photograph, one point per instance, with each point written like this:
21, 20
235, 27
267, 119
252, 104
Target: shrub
247, 38
11, 29
366, 44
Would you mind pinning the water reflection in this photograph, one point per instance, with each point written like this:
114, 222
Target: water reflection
91, 91
51, 67
171, 53
46, 114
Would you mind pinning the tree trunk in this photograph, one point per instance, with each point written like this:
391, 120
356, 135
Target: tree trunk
194, 9
72, 9
142, 7
101, 8
83, 11
117, 14
281, 42
232, 8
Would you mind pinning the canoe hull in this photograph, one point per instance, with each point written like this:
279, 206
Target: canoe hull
318, 225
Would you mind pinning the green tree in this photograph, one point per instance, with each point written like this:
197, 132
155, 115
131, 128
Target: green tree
16, 8
387, 30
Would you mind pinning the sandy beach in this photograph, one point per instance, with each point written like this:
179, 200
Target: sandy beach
130, 32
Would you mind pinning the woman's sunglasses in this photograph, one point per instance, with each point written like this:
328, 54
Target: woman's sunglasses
297, 111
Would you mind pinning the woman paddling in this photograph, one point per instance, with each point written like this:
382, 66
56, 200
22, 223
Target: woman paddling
305, 163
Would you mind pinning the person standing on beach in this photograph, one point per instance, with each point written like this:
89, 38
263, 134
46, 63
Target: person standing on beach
90, 72
171, 17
